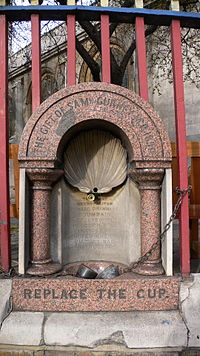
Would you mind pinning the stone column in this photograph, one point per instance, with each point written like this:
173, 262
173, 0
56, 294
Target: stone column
149, 181
42, 180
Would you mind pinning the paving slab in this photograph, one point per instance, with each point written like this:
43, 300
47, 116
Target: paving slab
190, 306
17, 353
131, 329
22, 328
108, 353
5, 293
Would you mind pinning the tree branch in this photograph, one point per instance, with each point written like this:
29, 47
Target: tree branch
150, 29
92, 64
94, 35
113, 27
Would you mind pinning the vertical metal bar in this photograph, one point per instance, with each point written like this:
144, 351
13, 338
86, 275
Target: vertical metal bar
181, 143
105, 49
105, 45
4, 150
36, 61
141, 57
71, 47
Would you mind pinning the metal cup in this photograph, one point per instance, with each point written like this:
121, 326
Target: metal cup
109, 272
86, 272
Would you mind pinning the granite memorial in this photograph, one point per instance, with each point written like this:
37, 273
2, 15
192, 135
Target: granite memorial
93, 159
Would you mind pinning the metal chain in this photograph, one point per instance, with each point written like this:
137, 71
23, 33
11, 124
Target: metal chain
161, 237
10, 274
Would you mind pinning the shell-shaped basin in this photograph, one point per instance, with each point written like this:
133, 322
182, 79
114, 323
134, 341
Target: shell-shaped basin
95, 161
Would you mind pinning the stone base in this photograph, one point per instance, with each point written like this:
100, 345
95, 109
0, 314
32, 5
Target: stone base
44, 269
124, 293
150, 269
117, 334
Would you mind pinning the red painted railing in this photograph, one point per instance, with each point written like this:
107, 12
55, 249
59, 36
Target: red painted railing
140, 17
4, 151
71, 50
105, 48
141, 58
36, 61
181, 143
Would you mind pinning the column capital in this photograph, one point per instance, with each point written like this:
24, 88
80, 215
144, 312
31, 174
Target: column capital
147, 178
44, 176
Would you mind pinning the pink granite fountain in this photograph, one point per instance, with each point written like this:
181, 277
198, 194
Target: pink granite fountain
94, 157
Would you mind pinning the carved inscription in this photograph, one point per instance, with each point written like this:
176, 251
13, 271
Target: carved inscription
46, 127
73, 294
99, 294
98, 231
142, 126
93, 295
101, 100
87, 224
64, 116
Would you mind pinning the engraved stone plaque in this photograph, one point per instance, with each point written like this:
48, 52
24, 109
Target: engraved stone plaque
102, 230
60, 294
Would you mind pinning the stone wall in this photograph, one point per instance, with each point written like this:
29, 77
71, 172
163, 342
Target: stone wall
161, 80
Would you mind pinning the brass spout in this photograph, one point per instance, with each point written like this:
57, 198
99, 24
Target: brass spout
90, 197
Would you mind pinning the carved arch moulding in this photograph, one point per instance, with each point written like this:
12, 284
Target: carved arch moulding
140, 127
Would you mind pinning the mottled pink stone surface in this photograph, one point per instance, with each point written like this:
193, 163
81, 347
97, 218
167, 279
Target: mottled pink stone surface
149, 183
148, 140
126, 115
124, 293
40, 221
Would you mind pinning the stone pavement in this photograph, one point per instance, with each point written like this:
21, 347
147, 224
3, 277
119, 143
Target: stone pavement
95, 331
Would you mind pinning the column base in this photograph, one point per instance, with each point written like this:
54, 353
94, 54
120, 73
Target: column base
44, 269
149, 269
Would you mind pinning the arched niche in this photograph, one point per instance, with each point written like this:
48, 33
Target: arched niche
63, 116
102, 218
